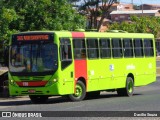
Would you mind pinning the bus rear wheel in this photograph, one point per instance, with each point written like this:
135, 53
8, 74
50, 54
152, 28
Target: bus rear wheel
38, 98
128, 90
80, 92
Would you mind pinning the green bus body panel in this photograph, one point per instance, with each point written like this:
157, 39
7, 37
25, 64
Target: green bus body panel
66, 82
101, 77
50, 88
103, 74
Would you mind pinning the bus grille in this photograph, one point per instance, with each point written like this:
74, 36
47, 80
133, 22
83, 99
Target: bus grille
35, 78
36, 92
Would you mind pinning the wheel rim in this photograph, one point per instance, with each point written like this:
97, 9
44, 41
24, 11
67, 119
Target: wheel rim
130, 87
78, 92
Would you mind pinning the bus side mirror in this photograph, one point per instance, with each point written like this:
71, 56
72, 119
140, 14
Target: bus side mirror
6, 56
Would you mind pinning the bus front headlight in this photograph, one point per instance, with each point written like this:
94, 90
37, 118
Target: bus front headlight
54, 80
12, 82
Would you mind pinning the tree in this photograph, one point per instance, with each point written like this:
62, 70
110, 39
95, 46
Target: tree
106, 5
145, 24
89, 8
29, 15
97, 8
6, 17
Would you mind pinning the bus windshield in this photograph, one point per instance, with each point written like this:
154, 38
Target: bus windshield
41, 57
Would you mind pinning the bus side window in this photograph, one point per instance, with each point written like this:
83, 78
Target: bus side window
105, 48
148, 48
92, 48
117, 48
79, 48
65, 52
138, 48
128, 48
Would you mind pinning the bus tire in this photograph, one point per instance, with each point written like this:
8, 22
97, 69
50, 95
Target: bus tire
80, 92
128, 90
38, 98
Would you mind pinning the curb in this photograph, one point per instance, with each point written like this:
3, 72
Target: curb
14, 98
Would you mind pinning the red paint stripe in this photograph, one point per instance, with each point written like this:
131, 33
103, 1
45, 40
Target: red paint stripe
80, 66
32, 84
77, 34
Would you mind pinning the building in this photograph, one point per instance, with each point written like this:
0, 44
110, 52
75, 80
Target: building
120, 16
114, 7
150, 6
120, 6
124, 7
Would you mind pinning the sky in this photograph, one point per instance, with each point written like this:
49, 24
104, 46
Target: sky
141, 1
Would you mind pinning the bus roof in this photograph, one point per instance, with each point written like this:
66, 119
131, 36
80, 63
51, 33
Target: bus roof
109, 34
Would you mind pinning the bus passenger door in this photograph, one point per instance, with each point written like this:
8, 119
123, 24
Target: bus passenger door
66, 83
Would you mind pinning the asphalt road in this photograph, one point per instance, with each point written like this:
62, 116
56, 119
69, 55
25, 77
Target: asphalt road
146, 98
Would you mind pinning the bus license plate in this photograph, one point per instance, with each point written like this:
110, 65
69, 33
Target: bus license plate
31, 91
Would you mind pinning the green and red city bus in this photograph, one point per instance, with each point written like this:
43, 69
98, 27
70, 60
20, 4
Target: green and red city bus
79, 64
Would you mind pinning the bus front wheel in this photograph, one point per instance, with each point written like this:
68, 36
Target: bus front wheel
38, 99
128, 90
80, 92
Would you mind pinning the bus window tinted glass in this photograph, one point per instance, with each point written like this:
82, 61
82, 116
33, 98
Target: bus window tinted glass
29, 58
148, 47
138, 48
116, 48
65, 51
79, 48
127, 47
92, 48
105, 50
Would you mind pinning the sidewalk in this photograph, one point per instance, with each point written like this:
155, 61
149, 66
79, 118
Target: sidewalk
158, 71
14, 98
158, 68
158, 58
3, 70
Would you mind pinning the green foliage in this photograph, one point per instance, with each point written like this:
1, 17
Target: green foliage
144, 24
6, 17
30, 15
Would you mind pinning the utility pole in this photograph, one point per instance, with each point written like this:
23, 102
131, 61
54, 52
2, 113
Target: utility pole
142, 6
132, 2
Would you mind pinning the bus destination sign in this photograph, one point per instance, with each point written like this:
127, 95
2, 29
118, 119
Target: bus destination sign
32, 37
